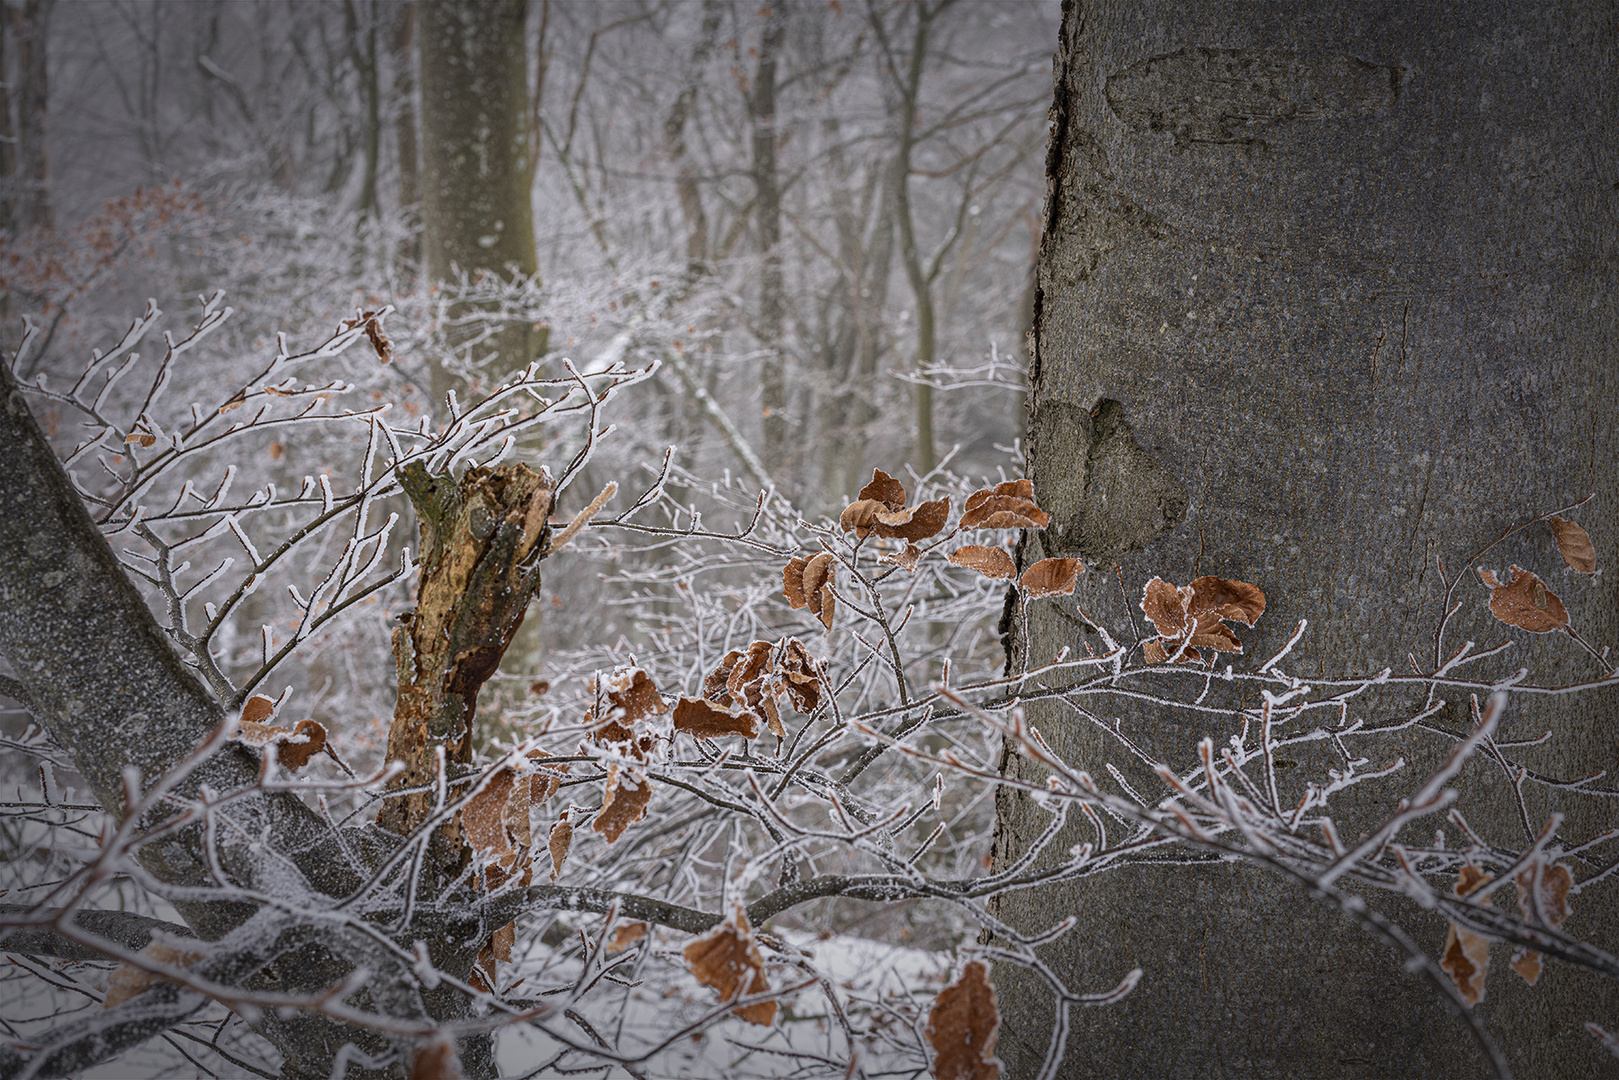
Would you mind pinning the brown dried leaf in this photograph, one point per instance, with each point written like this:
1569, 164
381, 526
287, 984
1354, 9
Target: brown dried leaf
501, 942
1467, 955
906, 558
435, 1061
859, 516
379, 340
750, 670
257, 710
1051, 577
884, 489
817, 573
707, 720
128, 981
962, 1026
826, 609
306, 739
1552, 894
1165, 606
561, 840
727, 959
992, 562
914, 523
483, 819
624, 803
803, 684
626, 935
544, 782
1235, 600
1575, 545
1003, 512
1525, 602
792, 581
632, 690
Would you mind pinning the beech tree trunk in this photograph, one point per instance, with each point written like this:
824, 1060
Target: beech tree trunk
1327, 292
476, 214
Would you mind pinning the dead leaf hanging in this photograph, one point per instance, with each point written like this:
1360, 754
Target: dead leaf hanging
884, 489
1550, 896
624, 802
1051, 577
809, 583
1467, 955
483, 818
727, 959
706, 720
1525, 602
1574, 543
561, 839
992, 562
1005, 506
962, 1026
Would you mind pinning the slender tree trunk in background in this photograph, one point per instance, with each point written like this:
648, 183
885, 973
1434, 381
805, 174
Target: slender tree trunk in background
402, 45
674, 144
1326, 290
363, 53
476, 214
8, 141
33, 170
767, 214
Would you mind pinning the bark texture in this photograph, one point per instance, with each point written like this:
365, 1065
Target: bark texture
1326, 290
476, 213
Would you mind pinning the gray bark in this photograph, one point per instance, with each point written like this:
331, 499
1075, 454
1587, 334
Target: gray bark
476, 213
775, 429
1327, 290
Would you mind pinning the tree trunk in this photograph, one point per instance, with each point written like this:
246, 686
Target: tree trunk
476, 214
402, 45
767, 214
33, 159
1326, 291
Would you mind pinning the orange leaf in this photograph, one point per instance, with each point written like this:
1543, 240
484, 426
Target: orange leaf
626, 935
962, 1026
1051, 577
884, 489
859, 516
992, 562
707, 720
561, 841
624, 802
632, 690
1165, 607
1195, 614
435, 1061
294, 746
727, 959
1575, 545
792, 582
1467, 955
257, 710
1525, 602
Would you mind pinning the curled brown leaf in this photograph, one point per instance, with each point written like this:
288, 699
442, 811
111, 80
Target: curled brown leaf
624, 802
1542, 902
706, 720
1467, 955
884, 489
962, 1026
558, 843
727, 959
1525, 602
1574, 543
1051, 577
1009, 505
992, 562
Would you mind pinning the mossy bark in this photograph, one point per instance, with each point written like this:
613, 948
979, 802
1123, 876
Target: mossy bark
1327, 292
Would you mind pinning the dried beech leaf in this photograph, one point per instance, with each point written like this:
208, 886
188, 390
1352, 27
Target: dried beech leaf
992, 562
827, 607
792, 581
1165, 607
544, 781
1153, 652
906, 558
915, 523
884, 489
1467, 955
624, 802
632, 690
1525, 602
727, 959
859, 516
1051, 577
1552, 897
817, 572
803, 684
560, 841
257, 710
483, 819
501, 942
128, 981
306, 739
962, 1026
1234, 600
986, 510
626, 935
435, 1061
1575, 545
707, 720
752, 666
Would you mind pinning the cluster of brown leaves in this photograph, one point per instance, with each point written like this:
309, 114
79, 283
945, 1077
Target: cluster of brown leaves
1524, 600
727, 958
631, 699
294, 746
962, 1026
1193, 617
1004, 506
749, 686
1543, 901
880, 510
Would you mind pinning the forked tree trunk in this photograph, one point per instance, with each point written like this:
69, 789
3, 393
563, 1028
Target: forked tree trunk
1327, 290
